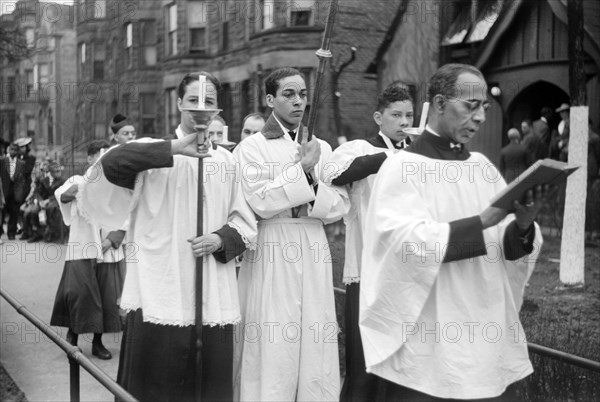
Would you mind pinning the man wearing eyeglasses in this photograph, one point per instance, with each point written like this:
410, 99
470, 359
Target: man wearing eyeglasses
440, 300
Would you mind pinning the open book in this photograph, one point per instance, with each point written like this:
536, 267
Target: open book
544, 171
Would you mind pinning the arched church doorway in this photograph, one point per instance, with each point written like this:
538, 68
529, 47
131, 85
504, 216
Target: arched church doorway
529, 102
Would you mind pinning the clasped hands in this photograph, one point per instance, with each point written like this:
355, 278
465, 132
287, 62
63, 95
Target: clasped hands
309, 152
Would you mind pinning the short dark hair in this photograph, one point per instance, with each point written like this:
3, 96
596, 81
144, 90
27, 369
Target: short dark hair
443, 81
96, 145
220, 118
546, 111
272, 80
253, 115
191, 77
393, 93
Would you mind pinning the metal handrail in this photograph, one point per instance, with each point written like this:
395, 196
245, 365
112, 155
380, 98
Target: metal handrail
543, 351
74, 353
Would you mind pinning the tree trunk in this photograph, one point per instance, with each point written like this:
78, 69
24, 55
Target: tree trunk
572, 249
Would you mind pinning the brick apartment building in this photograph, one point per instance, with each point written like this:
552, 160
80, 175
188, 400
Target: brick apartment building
34, 98
128, 56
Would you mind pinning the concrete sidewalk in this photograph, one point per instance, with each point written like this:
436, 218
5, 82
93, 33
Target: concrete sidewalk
30, 273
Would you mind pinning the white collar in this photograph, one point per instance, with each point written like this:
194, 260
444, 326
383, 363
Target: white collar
432, 131
285, 130
543, 119
388, 141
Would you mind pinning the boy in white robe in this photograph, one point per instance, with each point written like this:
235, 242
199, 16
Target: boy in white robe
90, 286
287, 347
355, 165
154, 183
440, 299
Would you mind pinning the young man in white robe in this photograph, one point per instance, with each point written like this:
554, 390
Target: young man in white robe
444, 272
355, 164
287, 345
154, 183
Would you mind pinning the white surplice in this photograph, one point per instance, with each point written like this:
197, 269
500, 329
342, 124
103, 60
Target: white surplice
287, 345
162, 210
84, 237
359, 192
450, 330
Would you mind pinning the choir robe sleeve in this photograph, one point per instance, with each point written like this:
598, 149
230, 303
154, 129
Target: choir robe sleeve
332, 202
354, 161
66, 208
112, 185
270, 195
241, 229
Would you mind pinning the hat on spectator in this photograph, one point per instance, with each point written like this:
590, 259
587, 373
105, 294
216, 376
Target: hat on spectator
21, 142
563, 107
118, 122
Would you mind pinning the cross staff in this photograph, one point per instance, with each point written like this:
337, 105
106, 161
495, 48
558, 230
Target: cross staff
323, 54
202, 118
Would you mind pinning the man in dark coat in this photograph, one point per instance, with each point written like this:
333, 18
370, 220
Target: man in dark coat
513, 157
13, 186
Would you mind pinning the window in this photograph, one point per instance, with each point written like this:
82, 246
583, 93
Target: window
44, 71
30, 37
129, 44
171, 111
31, 126
148, 113
50, 126
99, 57
266, 11
171, 24
82, 53
300, 13
93, 9
198, 40
99, 116
11, 89
100, 9
225, 36
30, 83
148, 41
197, 23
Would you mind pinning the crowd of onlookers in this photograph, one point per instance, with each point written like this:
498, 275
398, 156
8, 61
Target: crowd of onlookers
539, 139
542, 139
28, 205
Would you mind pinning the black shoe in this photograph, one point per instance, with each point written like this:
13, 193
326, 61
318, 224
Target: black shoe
100, 351
72, 338
25, 237
11, 237
34, 239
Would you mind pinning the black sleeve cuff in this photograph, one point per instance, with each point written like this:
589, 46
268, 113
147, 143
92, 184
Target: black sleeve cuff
361, 167
122, 164
233, 244
518, 243
465, 240
116, 238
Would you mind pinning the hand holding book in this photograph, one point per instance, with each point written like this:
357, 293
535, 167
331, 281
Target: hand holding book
542, 172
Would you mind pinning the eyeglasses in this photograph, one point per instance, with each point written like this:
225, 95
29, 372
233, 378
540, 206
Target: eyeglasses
132, 133
474, 105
